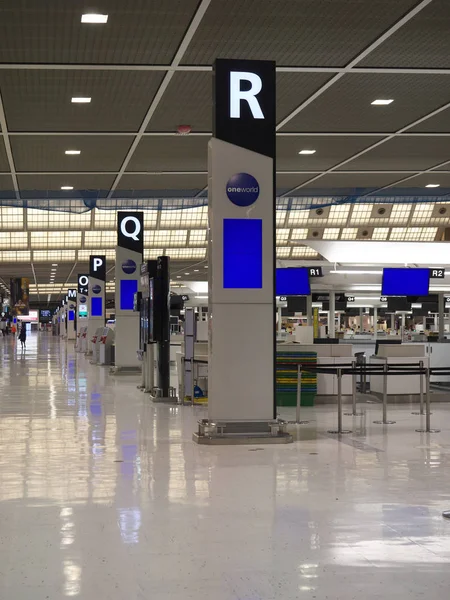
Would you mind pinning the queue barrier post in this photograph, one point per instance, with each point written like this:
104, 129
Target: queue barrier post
420, 391
427, 406
353, 413
384, 421
339, 404
299, 399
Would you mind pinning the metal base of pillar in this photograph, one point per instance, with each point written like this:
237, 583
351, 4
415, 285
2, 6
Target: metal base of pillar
420, 414
431, 431
385, 422
125, 370
241, 432
297, 422
446, 514
357, 414
155, 396
339, 432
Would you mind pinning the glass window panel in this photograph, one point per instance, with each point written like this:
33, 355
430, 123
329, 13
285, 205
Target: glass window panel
330, 233
185, 253
197, 237
349, 233
188, 217
283, 252
303, 252
11, 217
380, 233
282, 236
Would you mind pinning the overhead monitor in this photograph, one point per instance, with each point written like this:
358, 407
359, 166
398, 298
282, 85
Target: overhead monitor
293, 282
405, 282
399, 303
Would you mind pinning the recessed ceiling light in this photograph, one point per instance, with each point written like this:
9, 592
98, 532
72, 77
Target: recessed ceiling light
81, 100
94, 18
72, 152
187, 273
307, 152
206, 266
54, 264
433, 185
178, 276
382, 101
196, 270
67, 187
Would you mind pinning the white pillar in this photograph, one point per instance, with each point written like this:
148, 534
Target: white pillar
441, 307
392, 322
309, 311
332, 316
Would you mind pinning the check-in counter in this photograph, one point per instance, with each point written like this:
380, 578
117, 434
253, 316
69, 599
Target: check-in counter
398, 385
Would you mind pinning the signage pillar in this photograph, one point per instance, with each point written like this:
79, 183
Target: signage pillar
129, 256
332, 316
71, 313
62, 312
82, 301
241, 205
97, 278
441, 309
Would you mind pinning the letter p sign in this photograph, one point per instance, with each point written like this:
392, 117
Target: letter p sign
97, 267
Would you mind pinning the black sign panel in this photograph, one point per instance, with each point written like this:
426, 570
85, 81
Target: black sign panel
437, 273
350, 298
71, 294
315, 271
244, 104
97, 267
83, 284
130, 231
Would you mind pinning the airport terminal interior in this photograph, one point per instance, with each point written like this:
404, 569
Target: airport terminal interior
225, 299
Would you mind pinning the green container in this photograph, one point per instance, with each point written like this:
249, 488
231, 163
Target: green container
287, 374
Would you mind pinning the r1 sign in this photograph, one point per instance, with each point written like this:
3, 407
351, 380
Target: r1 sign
315, 271
437, 273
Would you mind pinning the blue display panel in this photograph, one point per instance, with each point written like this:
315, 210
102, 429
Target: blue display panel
71, 315
242, 254
293, 282
405, 282
96, 307
128, 288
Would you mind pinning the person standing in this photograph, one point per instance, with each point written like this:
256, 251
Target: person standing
23, 336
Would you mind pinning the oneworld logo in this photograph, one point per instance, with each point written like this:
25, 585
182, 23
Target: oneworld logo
242, 189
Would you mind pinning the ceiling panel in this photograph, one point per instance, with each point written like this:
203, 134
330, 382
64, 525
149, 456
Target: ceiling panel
163, 185
304, 32
47, 153
6, 185
346, 106
4, 165
48, 186
422, 43
343, 184
420, 181
50, 31
329, 151
403, 153
174, 153
440, 123
41, 100
287, 181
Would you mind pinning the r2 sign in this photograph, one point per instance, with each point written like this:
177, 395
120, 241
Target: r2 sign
437, 273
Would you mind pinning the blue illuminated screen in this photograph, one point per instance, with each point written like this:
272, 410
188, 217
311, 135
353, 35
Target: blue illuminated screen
128, 287
293, 282
71, 315
405, 282
96, 307
242, 254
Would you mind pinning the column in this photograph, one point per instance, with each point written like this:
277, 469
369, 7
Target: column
279, 320
332, 316
441, 307
375, 319
360, 320
241, 212
97, 277
71, 311
82, 301
309, 310
392, 322
129, 256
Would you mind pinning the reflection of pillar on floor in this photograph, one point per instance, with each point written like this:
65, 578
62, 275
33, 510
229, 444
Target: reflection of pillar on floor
441, 305
375, 321
393, 322
332, 316
309, 310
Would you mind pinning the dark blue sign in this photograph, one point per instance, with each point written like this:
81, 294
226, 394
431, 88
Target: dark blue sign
128, 266
96, 289
83, 300
242, 189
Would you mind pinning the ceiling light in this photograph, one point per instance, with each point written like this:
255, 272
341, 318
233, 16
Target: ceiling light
307, 152
345, 272
206, 266
187, 273
54, 264
382, 102
178, 276
67, 187
94, 18
433, 185
196, 270
72, 152
81, 100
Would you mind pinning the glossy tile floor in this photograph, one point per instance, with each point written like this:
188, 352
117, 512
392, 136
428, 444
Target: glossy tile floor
104, 496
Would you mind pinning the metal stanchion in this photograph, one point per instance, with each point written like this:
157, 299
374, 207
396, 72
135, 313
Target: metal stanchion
427, 406
339, 384
299, 399
421, 391
385, 421
446, 514
192, 381
353, 413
